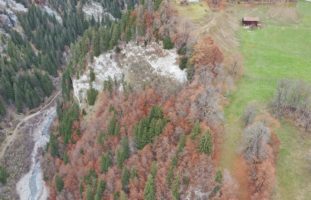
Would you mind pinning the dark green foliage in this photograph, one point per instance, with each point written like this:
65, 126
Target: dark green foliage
2, 109
206, 144
114, 126
183, 63
23, 72
65, 158
125, 179
167, 43
150, 127
3, 175
100, 189
27, 89
53, 146
67, 117
218, 177
182, 50
66, 84
105, 162
196, 130
123, 152
91, 96
150, 190
96, 43
59, 183
92, 75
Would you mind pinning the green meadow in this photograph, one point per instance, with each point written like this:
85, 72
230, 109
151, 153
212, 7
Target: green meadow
274, 52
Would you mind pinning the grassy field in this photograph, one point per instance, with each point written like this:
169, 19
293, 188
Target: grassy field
272, 53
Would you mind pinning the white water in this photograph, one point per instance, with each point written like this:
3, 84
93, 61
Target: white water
32, 186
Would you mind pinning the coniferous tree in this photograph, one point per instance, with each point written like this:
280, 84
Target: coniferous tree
206, 144
150, 191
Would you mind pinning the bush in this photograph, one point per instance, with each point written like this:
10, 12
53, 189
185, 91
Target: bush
92, 75
91, 96
3, 175
293, 99
59, 183
255, 137
249, 114
218, 177
206, 144
183, 63
167, 43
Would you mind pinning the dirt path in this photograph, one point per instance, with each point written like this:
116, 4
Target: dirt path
10, 138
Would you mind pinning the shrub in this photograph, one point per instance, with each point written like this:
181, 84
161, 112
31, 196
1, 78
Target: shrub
249, 114
255, 137
59, 183
218, 177
92, 75
3, 175
183, 63
293, 99
206, 144
91, 96
167, 43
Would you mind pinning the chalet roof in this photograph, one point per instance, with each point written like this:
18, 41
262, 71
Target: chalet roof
251, 19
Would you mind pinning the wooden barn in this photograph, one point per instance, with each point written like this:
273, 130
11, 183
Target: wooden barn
251, 21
